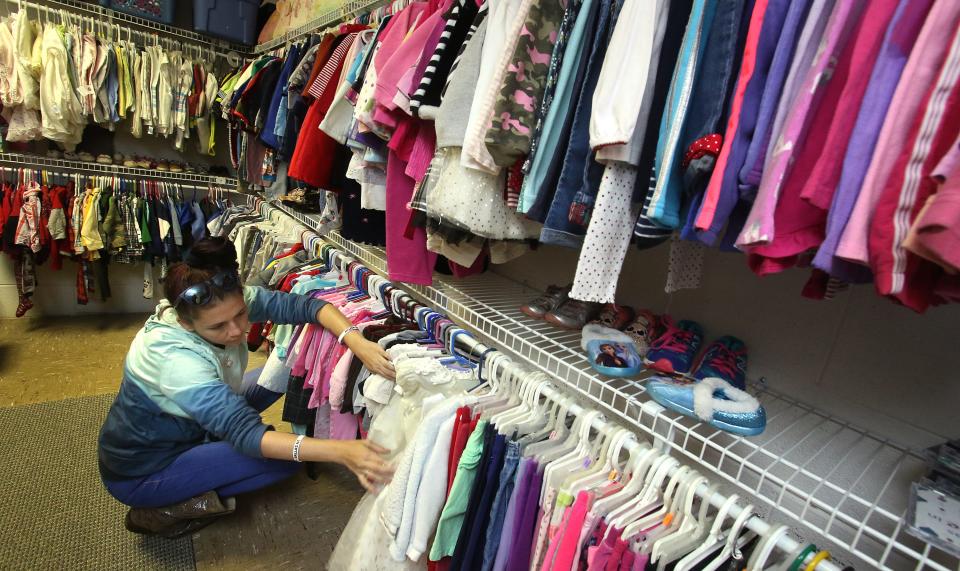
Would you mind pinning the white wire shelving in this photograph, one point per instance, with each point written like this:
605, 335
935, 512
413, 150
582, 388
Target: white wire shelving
108, 17
348, 9
17, 160
836, 480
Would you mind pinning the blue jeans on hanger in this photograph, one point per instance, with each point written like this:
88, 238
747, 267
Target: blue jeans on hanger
216, 466
553, 148
498, 511
580, 172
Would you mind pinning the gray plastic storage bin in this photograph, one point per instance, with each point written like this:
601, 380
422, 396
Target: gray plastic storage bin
234, 20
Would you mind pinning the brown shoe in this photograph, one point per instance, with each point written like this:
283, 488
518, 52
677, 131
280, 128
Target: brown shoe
179, 519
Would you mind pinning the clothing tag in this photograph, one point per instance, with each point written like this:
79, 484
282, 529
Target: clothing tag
586, 462
613, 476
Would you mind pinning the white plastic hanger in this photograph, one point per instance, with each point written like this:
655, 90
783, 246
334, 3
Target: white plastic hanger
580, 462
561, 445
540, 415
509, 421
672, 496
651, 495
599, 469
714, 538
731, 548
556, 470
766, 548
691, 531
527, 384
660, 523
641, 458
555, 430
607, 467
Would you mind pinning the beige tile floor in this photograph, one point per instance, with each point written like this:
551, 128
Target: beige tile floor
294, 525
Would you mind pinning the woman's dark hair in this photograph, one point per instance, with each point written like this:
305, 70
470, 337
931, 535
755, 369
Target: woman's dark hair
207, 258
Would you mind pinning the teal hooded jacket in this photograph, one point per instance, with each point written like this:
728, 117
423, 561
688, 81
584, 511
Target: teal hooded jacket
179, 391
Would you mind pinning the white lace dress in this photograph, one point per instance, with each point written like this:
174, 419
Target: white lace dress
365, 543
473, 200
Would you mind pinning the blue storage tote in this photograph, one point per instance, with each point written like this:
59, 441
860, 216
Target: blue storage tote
234, 20
156, 10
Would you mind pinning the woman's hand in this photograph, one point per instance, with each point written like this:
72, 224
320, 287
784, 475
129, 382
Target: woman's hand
365, 459
374, 357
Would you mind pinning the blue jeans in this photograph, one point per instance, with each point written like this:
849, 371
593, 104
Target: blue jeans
773, 20
707, 113
580, 173
213, 466
546, 194
498, 512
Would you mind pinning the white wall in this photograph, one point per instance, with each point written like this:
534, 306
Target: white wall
56, 291
858, 356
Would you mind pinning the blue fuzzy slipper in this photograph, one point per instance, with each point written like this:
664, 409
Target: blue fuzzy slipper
712, 400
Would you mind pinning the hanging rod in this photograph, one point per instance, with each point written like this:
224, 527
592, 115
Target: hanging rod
32, 162
70, 175
347, 10
148, 31
474, 347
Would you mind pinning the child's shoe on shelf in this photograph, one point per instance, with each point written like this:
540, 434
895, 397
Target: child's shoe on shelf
610, 351
573, 313
725, 358
674, 350
615, 316
712, 400
550, 300
644, 330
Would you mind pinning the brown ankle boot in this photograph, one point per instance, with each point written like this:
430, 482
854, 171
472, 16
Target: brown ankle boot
179, 519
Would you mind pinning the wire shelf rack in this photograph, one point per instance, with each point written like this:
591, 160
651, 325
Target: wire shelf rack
837, 480
347, 10
30, 161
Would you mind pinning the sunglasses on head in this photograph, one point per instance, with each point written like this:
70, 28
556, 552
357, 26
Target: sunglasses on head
203, 292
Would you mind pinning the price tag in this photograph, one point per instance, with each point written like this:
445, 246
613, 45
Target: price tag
936, 516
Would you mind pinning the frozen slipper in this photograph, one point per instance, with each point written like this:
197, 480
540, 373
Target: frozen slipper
712, 400
610, 352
